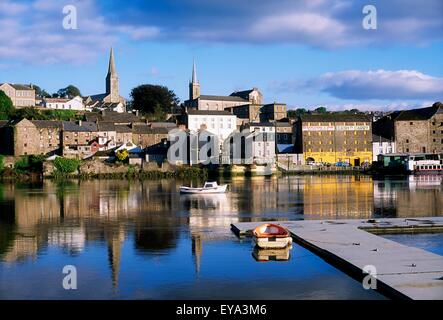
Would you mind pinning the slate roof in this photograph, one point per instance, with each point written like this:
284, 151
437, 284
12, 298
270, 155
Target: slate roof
145, 129
21, 87
70, 126
112, 116
222, 98
43, 124
418, 114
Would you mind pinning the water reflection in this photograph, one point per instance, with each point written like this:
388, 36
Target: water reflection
152, 216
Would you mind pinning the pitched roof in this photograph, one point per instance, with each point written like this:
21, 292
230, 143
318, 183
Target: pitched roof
242, 94
418, 114
21, 87
44, 124
112, 116
70, 126
222, 98
145, 129
336, 117
122, 128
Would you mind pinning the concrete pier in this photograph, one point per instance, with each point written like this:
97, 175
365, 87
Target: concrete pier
350, 245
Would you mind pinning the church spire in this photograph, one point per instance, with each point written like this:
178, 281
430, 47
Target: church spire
111, 68
194, 73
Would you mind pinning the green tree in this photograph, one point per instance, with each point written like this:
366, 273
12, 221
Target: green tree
147, 98
28, 113
70, 92
321, 110
39, 92
6, 107
297, 112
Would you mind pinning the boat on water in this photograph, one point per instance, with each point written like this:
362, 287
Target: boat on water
271, 236
208, 188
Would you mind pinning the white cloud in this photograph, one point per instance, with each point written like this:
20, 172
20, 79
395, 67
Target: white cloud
371, 85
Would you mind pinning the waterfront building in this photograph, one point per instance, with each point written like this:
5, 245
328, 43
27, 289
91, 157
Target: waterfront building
381, 145
333, 138
219, 123
111, 99
414, 131
21, 95
31, 137
263, 142
75, 103
246, 113
79, 140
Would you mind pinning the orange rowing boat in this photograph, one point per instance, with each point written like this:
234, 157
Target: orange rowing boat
271, 235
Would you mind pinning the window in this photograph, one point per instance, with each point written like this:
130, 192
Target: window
407, 140
411, 123
407, 149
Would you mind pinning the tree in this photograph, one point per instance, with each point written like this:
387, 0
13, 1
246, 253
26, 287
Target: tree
70, 92
29, 113
148, 98
39, 92
321, 110
297, 112
6, 106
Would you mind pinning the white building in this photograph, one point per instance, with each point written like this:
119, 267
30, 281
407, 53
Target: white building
263, 142
381, 145
75, 103
219, 123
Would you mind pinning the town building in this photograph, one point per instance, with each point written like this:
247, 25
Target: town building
145, 136
263, 142
334, 138
75, 103
219, 123
217, 102
79, 140
31, 137
21, 95
111, 99
246, 113
273, 112
419, 130
381, 145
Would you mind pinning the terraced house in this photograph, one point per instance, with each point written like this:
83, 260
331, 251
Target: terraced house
21, 95
333, 138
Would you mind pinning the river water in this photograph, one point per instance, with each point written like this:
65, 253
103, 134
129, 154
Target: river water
143, 240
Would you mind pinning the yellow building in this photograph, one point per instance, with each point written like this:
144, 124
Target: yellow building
333, 138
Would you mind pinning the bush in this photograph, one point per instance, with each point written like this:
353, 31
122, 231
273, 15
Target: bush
22, 164
2, 163
66, 166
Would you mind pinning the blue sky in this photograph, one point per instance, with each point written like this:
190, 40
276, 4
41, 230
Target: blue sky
304, 53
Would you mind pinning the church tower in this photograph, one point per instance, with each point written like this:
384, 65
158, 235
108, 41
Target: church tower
194, 86
112, 80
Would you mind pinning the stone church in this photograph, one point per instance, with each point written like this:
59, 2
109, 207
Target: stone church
219, 103
111, 100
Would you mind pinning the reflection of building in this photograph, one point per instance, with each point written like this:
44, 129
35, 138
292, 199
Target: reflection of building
335, 138
343, 197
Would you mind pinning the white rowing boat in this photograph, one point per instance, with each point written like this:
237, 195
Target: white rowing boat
208, 188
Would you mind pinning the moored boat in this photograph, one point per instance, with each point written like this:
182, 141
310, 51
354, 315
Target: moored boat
271, 236
208, 188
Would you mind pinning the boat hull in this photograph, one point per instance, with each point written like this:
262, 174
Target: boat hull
271, 236
272, 242
218, 189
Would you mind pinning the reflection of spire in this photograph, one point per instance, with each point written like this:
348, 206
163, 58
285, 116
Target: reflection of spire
115, 239
197, 251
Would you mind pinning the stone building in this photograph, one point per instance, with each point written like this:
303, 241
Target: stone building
79, 140
246, 113
284, 132
217, 102
420, 130
31, 137
21, 95
145, 136
273, 112
333, 138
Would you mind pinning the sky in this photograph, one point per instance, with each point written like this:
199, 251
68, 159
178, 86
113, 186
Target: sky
304, 53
